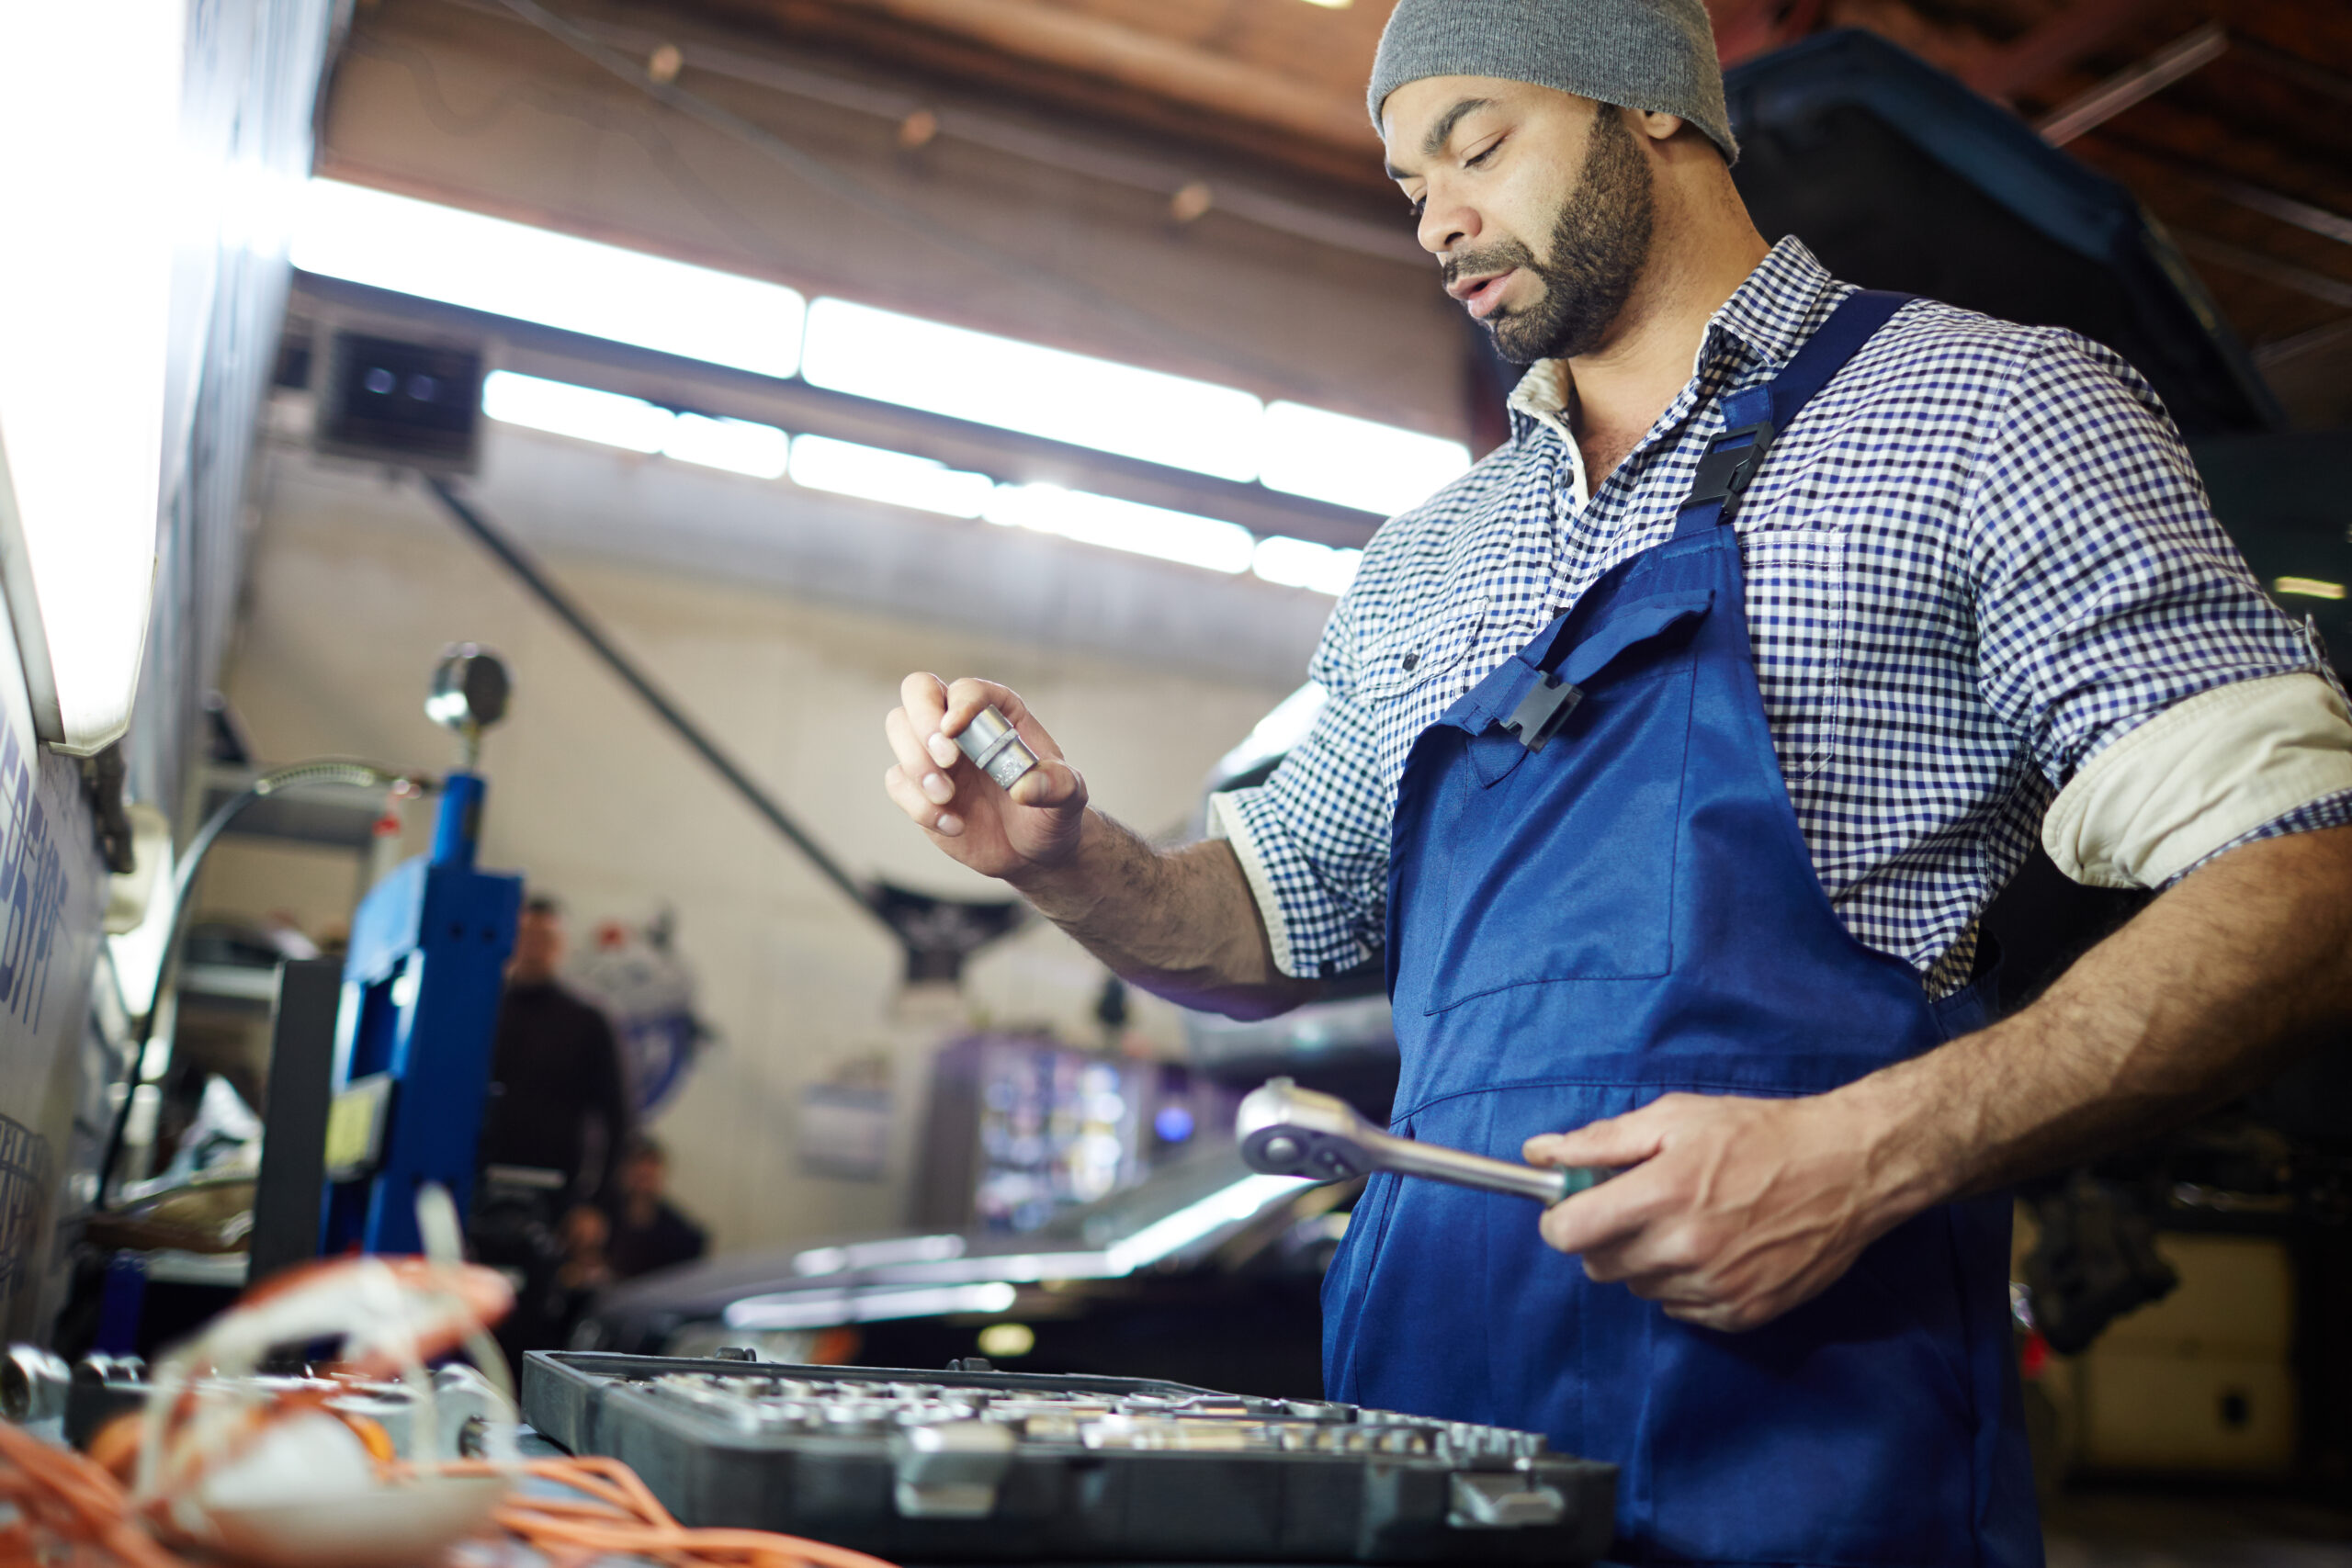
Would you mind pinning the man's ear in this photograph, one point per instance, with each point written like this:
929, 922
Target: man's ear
1659, 125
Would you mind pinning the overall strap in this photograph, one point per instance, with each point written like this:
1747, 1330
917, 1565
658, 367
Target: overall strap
1752, 417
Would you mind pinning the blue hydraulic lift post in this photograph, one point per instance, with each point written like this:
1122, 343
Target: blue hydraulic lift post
418, 1022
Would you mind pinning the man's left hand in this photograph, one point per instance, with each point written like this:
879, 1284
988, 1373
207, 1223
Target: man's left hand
1731, 1210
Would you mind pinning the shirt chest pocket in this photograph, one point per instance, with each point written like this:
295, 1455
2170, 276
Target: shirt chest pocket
1798, 616
1408, 660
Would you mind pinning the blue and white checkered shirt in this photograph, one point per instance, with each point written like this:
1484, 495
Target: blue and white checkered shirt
1979, 556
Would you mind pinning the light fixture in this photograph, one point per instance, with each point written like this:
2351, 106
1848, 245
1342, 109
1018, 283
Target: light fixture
1355, 462
1130, 525
1303, 563
1007, 1341
2309, 587
585, 414
898, 479
738, 445
85, 285
537, 275
1028, 387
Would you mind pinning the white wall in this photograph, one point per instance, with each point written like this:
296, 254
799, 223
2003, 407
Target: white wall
356, 583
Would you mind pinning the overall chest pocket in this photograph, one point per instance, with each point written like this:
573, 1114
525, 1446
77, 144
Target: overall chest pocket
1559, 863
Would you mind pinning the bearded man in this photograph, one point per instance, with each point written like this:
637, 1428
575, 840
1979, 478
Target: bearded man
1671, 756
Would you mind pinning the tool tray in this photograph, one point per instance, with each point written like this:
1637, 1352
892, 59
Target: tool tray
987, 1466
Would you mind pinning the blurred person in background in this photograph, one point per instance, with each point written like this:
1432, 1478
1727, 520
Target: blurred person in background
558, 1098
559, 1110
646, 1230
635, 1230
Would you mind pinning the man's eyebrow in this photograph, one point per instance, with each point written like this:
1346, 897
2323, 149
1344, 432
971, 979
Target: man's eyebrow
1440, 133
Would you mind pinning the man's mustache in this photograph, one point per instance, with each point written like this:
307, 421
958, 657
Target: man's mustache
1480, 263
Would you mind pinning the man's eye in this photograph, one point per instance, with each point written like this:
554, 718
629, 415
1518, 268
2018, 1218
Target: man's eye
1482, 154
1420, 205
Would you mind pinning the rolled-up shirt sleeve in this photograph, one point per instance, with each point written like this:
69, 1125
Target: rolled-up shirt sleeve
2176, 709
1313, 839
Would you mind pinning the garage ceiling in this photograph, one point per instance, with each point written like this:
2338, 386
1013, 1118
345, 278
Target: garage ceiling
2230, 119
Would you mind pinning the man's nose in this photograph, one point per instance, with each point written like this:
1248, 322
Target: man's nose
1446, 229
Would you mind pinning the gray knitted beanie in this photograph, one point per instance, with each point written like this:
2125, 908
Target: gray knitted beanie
1637, 54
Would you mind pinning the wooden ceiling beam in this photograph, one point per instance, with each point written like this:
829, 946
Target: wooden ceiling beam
1161, 67
2075, 31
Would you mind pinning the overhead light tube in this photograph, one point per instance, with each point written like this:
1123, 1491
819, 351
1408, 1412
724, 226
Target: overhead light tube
94, 199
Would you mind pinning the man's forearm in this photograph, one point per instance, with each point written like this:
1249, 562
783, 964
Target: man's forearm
2204, 995
1179, 923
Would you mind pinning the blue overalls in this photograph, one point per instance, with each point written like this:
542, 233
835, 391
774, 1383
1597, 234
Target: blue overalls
1598, 895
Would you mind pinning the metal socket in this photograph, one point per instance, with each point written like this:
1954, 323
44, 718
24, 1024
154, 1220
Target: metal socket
996, 748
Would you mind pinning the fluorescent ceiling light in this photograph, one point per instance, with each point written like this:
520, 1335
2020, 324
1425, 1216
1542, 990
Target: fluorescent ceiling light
1355, 462
1124, 525
1028, 387
581, 413
736, 444
537, 275
897, 478
100, 195
1303, 563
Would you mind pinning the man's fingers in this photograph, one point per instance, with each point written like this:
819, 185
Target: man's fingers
910, 798
1608, 1215
1621, 1140
967, 696
1050, 784
924, 696
934, 783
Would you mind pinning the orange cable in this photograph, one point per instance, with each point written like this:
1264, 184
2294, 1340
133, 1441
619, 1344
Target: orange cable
623, 1516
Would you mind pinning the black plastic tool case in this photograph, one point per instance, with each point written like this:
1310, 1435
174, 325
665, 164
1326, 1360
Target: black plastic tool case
959, 1466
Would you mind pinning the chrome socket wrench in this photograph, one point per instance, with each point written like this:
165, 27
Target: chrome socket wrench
1288, 1131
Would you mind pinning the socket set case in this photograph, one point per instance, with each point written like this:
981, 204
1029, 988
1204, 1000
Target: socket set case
987, 1466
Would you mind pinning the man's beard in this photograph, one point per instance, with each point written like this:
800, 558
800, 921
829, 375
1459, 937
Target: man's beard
1600, 245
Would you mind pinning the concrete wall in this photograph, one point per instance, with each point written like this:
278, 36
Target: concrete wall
789, 644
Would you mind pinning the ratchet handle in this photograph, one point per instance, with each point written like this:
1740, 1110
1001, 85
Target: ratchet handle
1319, 1155
1546, 1184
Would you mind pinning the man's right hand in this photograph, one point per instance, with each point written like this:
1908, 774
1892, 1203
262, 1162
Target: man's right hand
1033, 827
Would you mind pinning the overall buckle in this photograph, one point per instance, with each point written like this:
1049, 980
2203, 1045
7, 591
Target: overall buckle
1542, 710
1729, 463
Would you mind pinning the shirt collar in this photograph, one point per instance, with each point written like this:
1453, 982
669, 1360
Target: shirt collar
1773, 313
1768, 319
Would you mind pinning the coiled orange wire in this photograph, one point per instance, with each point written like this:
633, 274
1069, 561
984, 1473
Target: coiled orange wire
72, 1513
64, 1500
620, 1515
